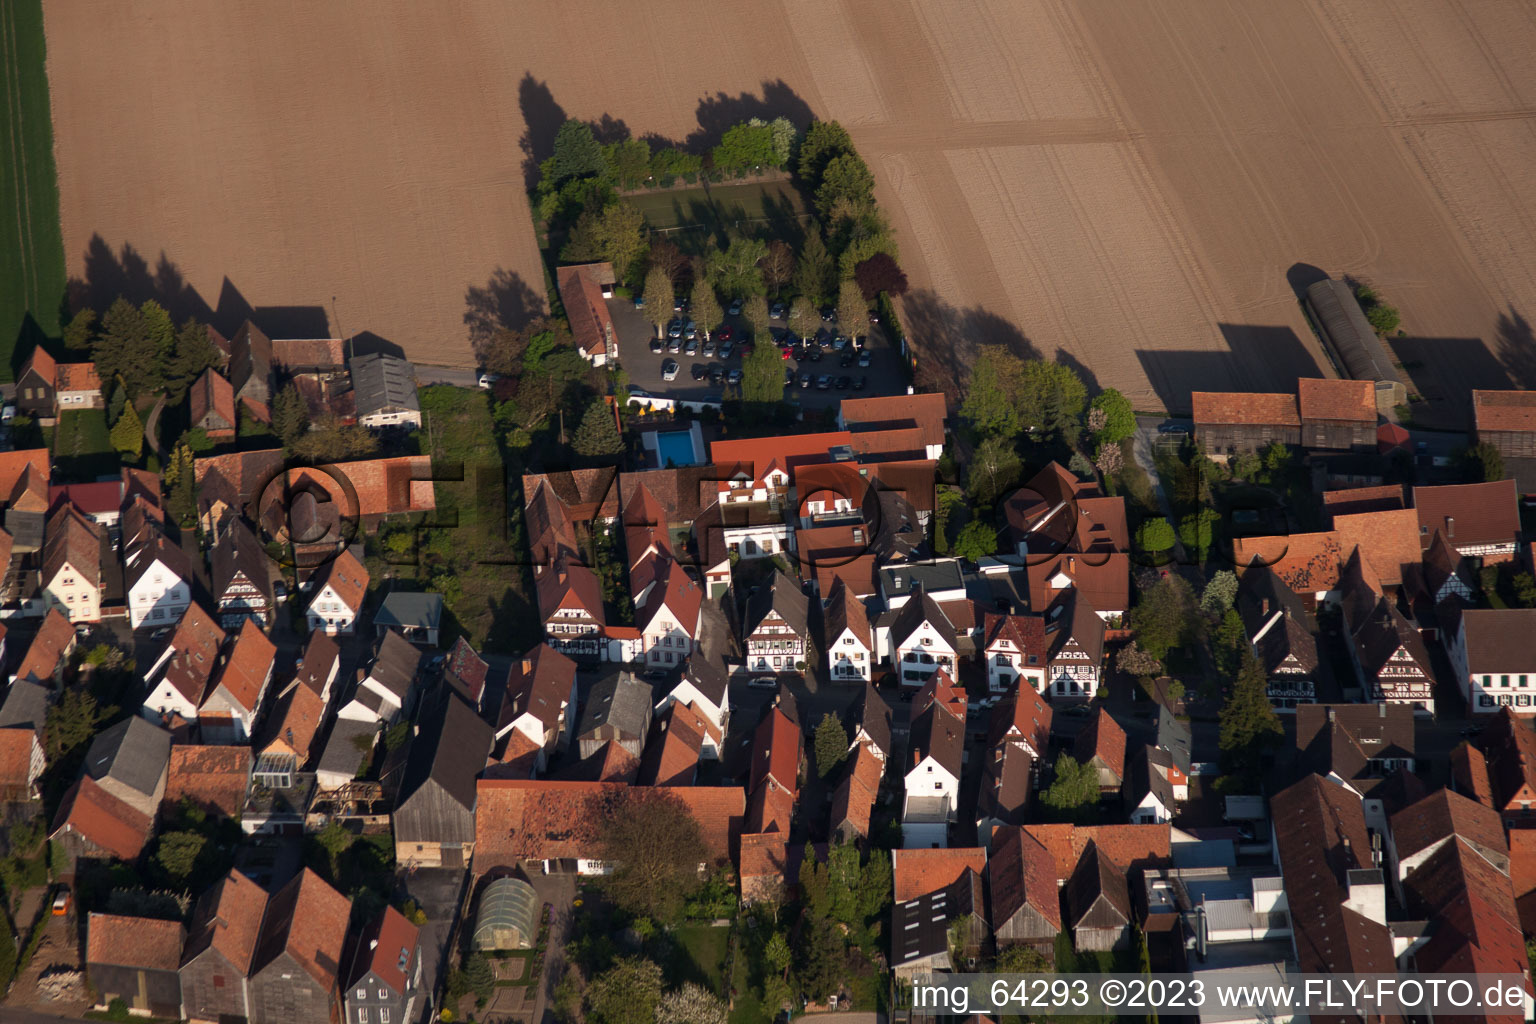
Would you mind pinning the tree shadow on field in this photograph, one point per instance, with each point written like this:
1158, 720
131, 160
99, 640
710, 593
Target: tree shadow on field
504, 302
1257, 359
542, 118
946, 339
718, 112
1087, 376
1517, 349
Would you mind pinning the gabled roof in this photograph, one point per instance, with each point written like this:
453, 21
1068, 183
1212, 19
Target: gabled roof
1105, 740
872, 714
34, 463
1231, 407
387, 947
42, 364
382, 382
395, 664
784, 597
540, 685
1334, 399
1345, 738
465, 666
299, 355
54, 637
707, 670
940, 689
917, 873
1021, 873
1364, 499
132, 752
293, 721
410, 609
1441, 562
1469, 774
1510, 746
568, 584
25, 706
854, 799
16, 755
677, 491
228, 919
582, 296
250, 355
248, 667
754, 457
1025, 632
1134, 846
924, 413
1024, 717
586, 493
1470, 514
237, 553
321, 653
1071, 617
672, 755
347, 579
1442, 815
1389, 540
144, 943
307, 919
214, 778
675, 590
71, 539
1383, 634
1007, 784
1305, 562
213, 393
940, 735
921, 608
1504, 410
1103, 578
1173, 737
776, 751
645, 525
450, 748
1260, 597
103, 820
1498, 639
844, 611
620, 701
1097, 877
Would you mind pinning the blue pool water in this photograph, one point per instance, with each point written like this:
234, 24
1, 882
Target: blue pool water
675, 446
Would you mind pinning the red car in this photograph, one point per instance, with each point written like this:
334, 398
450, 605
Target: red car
725, 333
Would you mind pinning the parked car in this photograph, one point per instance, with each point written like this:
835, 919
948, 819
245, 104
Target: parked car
744, 347
675, 329
824, 382
717, 375
846, 361
709, 348
864, 359
789, 377
735, 307
485, 382
840, 342
669, 370
674, 345
699, 372
726, 348
842, 383
858, 383
639, 302
778, 311
61, 901
690, 330
813, 354
734, 377
692, 347
657, 345
828, 313
678, 304
726, 332
805, 380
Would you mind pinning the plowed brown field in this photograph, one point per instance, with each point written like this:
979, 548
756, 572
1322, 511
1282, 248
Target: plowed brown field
1136, 186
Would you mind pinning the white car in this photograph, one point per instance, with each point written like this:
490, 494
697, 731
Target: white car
487, 379
669, 370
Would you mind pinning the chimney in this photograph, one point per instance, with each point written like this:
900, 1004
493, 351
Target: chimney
1381, 710
528, 667
1450, 527
1330, 722
1264, 608
561, 577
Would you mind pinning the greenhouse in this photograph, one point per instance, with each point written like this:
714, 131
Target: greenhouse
508, 916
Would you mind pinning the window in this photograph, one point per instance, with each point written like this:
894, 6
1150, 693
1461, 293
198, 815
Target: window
383, 994
218, 981
383, 1013
362, 1015
362, 993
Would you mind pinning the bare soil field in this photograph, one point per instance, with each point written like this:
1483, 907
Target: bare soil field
1138, 188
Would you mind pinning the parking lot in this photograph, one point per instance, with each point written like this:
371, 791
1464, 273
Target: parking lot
883, 376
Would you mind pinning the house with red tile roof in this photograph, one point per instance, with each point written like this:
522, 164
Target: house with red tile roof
1522, 875
1102, 578
299, 951
1311, 564
158, 579
1102, 745
21, 762
71, 569
1422, 829
1509, 748
570, 601
1075, 632
895, 425
1493, 659
751, 468
1025, 906
1388, 540
229, 709
931, 776
1232, 423
49, 651
78, 387
853, 801
213, 778
287, 744
1364, 499
672, 753
1337, 415
1506, 420
221, 945
918, 872
1023, 719
773, 782
178, 680
338, 600
1478, 520
35, 385
1016, 652
1134, 847
583, 290
540, 701
212, 405
846, 636
135, 959
92, 823
667, 602
383, 979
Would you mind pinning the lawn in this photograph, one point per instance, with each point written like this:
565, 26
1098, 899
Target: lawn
700, 956
721, 209
32, 286
468, 553
82, 451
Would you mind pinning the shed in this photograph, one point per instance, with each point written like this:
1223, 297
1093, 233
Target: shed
1354, 343
1099, 902
508, 917
417, 616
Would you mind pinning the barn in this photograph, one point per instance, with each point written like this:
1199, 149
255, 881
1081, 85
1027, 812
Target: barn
1353, 343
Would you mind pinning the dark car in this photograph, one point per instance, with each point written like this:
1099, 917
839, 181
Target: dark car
846, 361
778, 311
778, 334
842, 383
678, 305
858, 383
824, 382
717, 375
735, 308
744, 347
813, 354
828, 313
674, 345
805, 380
864, 359
789, 377
675, 329
639, 302
1172, 428
657, 346
797, 353
734, 376
699, 372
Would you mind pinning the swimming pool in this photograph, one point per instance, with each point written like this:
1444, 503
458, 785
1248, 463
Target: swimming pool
675, 447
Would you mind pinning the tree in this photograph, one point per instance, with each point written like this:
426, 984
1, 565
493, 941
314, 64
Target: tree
1230, 640
1074, 789
1053, 396
1164, 617
1249, 727
1482, 463
704, 308
127, 434
577, 153
823, 141
1220, 591
195, 352
1197, 530
776, 953
124, 348
880, 273
845, 179
178, 852
290, 415
1022, 960
995, 467
80, 331
330, 441
657, 846
481, 977
745, 147
992, 394
1385, 319
615, 233
628, 162
1119, 417
162, 337
1134, 661
666, 256
626, 993
778, 265
735, 271
1525, 589
976, 541
1154, 535
71, 723
762, 374
852, 312
1109, 459
831, 745
597, 436
814, 275
784, 135
692, 1004
181, 485
658, 298
803, 318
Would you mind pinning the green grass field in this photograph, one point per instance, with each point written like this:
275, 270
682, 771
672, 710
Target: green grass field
718, 208
32, 283
82, 449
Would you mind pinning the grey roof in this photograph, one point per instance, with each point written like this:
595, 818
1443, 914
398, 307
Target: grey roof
410, 608
1140, 779
450, 749
1173, 736
1339, 314
707, 669
919, 609
920, 927
621, 701
26, 529
236, 552
25, 706
395, 664
872, 714
783, 596
940, 574
383, 382
133, 752
342, 754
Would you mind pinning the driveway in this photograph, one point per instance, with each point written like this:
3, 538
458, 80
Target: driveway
558, 891
882, 377
438, 892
